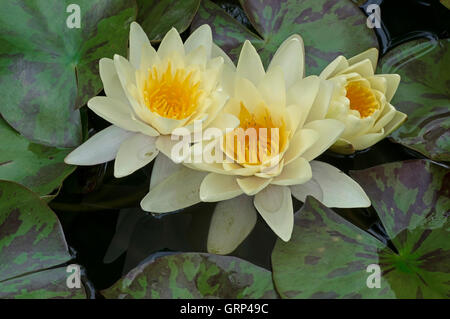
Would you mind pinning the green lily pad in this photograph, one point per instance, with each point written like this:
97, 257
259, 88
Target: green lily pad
423, 94
45, 284
48, 70
329, 28
194, 275
157, 17
328, 257
38, 167
32, 245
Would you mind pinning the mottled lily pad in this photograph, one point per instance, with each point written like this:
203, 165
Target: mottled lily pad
38, 167
194, 275
48, 70
32, 246
328, 257
157, 17
328, 27
423, 94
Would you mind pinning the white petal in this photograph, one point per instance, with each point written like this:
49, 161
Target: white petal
253, 184
217, 51
339, 190
247, 92
273, 90
100, 148
135, 152
300, 142
343, 146
249, 65
149, 57
217, 187
119, 114
137, 39
111, 83
322, 102
165, 144
179, 190
310, 188
363, 68
398, 120
297, 172
163, 167
274, 203
337, 65
225, 121
171, 43
387, 115
392, 82
371, 54
329, 131
232, 221
367, 140
290, 56
202, 36
302, 94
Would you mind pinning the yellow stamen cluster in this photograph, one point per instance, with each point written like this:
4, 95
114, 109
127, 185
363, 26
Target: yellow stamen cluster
259, 135
171, 94
362, 99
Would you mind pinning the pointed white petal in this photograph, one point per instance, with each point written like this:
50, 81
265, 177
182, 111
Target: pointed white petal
274, 204
302, 94
179, 190
217, 51
111, 83
253, 184
100, 148
166, 145
290, 56
339, 190
249, 65
297, 172
337, 65
363, 68
310, 188
300, 142
273, 90
371, 54
135, 152
322, 102
163, 167
216, 187
329, 131
367, 140
231, 223
392, 82
119, 114
171, 43
137, 39
398, 120
202, 36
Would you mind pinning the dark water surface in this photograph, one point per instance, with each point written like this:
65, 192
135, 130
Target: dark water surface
92, 203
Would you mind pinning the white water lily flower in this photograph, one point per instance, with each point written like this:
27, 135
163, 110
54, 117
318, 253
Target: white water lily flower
280, 99
151, 95
361, 100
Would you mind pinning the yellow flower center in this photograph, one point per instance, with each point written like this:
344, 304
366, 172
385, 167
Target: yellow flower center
256, 140
171, 94
362, 99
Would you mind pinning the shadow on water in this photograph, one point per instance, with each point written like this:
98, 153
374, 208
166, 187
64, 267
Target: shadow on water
110, 234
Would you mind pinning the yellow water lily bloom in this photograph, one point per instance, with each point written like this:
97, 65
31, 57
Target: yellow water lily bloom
152, 94
262, 179
360, 99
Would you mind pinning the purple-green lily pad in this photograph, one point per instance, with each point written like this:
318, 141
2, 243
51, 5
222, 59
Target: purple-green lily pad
157, 17
194, 275
423, 94
32, 246
328, 27
328, 257
40, 168
48, 70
